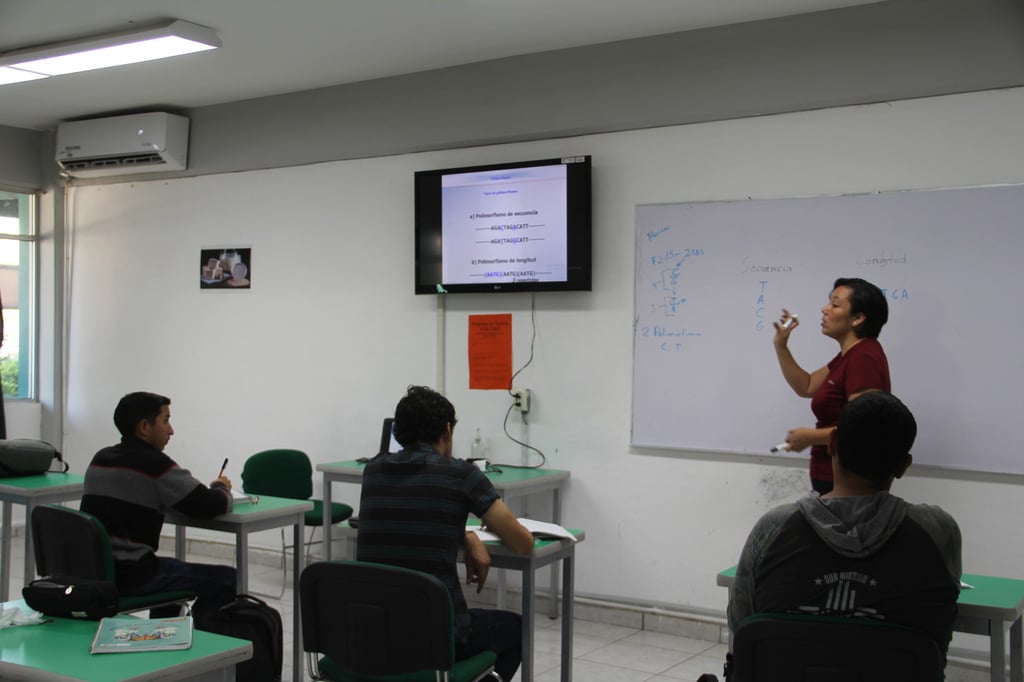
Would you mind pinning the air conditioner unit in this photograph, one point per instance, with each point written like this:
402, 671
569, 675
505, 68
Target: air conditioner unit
120, 145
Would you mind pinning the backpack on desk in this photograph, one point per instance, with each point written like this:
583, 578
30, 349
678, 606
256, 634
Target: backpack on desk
28, 457
250, 618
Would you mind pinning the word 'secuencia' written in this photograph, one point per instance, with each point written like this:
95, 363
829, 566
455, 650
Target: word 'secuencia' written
502, 214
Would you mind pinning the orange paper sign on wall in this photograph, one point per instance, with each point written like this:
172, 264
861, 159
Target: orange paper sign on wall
490, 351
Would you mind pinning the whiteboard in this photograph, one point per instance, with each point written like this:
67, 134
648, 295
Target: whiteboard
712, 277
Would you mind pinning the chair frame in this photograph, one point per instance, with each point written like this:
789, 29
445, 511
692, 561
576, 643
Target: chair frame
88, 554
402, 623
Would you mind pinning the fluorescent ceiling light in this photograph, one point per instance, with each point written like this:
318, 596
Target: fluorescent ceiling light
9, 75
169, 39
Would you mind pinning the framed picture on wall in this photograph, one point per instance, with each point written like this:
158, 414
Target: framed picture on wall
228, 268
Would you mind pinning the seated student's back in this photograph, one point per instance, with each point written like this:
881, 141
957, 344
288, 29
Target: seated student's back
857, 551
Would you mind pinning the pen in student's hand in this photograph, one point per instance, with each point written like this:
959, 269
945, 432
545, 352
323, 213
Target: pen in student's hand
223, 467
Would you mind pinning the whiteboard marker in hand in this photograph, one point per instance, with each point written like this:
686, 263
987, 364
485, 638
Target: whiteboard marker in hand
781, 447
787, 324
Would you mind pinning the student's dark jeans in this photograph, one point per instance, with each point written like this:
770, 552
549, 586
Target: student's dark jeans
497, 631
213, 583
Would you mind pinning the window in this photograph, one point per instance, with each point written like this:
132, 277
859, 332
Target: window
17, 268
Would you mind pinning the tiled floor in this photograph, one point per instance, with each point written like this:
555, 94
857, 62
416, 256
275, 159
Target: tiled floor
602, 652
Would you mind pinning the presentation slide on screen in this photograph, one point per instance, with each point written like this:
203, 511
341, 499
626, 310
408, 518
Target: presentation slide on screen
504, 226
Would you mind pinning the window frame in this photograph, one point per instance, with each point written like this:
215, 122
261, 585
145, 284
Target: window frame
27, 302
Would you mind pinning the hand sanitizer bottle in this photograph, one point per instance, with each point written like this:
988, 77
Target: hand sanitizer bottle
479, 448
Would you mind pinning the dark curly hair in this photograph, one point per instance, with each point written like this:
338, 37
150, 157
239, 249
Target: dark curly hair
422, 416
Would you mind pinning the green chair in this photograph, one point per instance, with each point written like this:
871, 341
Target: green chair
74, 543
367, 622
289, 473
771, 646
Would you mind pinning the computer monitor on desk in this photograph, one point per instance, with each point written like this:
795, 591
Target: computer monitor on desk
387, 437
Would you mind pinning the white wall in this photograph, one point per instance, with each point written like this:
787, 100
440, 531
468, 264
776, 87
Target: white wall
325, 342
22, 418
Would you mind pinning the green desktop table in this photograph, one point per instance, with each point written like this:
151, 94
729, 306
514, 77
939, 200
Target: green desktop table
58, 651
510, 482
30, 491
989, 607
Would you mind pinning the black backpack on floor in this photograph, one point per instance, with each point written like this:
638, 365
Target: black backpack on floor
253, 619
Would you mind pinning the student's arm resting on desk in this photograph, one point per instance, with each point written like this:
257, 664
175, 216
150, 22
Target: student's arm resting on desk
478, 561
500, 520
200, 501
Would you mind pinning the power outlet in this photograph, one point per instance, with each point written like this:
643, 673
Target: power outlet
522, 399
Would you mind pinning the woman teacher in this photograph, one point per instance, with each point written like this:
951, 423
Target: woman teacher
854, 316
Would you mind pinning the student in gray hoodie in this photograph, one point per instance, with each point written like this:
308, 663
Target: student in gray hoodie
858, 550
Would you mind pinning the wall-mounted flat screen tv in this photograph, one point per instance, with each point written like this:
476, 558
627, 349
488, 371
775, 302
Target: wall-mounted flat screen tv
504, 227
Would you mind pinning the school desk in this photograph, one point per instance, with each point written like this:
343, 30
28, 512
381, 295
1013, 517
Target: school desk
58, 651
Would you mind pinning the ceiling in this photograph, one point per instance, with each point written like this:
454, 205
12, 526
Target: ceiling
272, 48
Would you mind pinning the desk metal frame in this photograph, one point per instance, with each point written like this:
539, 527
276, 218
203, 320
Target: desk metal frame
546, 552
30, 491
511, 482
989, 608
59, 651
245, 518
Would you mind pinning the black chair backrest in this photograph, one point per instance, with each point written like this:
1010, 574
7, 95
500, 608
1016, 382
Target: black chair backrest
769, 647
373, 619
70, 542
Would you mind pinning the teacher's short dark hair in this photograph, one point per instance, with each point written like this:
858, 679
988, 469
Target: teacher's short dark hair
135, 407
868, 299
874, 435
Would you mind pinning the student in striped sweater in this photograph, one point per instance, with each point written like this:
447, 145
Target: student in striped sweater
129, 487
413, 510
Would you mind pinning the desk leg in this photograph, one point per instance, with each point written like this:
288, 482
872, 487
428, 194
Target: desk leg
5, 548
499, 598
297, 565
242, 561
529, 589
568, 595
179, 542
556, 513
327, 526
1016, 646
997, 650
30, 550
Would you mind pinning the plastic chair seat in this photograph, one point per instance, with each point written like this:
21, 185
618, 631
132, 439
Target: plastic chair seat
339, 512
466, 670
